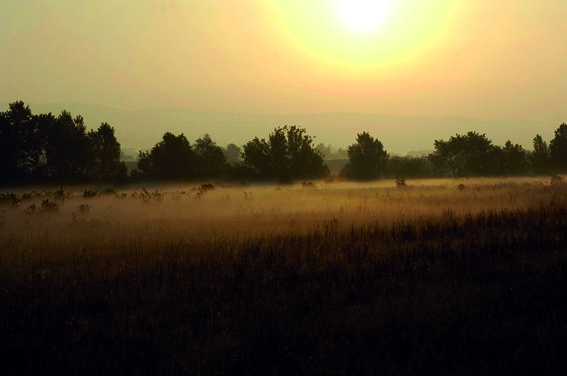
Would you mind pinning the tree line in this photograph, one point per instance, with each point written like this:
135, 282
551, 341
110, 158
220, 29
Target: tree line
473, 154
58, 149
47, 148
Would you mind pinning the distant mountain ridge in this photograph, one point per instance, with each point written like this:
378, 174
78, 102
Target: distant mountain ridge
141, 129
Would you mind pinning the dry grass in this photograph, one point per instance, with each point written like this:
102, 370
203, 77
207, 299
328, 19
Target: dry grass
336, 278
264, 209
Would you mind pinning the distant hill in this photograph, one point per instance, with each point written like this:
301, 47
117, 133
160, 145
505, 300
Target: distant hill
400, 134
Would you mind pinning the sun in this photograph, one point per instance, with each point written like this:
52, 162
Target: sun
363, 15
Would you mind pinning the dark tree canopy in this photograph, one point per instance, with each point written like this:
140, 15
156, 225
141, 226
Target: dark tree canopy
45, 148
305, 160
171, 158
174, 158
105, 163
408, 166
367, 158
540, 157
20, 143
67, 148
558, 148
209, 158
464, 155
513, 159
288, 153
256, 156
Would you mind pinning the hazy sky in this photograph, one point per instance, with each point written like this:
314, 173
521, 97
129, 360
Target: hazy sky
489, 59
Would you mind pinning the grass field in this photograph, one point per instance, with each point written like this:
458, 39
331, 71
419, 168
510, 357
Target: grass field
453, 277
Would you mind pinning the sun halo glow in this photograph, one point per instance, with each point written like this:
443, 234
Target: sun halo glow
330, 45
363, 15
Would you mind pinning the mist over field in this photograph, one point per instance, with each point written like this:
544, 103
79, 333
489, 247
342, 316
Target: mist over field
457, 275
197, 210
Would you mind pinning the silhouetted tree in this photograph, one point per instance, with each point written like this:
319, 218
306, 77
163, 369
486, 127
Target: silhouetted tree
20, 144
558, 148
277, 155
233, 153
104, 162
288, 153
67, 147
408, 166
256, 157
209, 158
324, 150
305, 160
540, 157
328, 152
464, 155
171, 158
514, 159
367, 158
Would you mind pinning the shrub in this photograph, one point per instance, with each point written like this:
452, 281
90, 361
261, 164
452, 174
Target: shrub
60, 194
203, 188
147, 195
10, 198
89, 194
49, 206
108, 191
31, 209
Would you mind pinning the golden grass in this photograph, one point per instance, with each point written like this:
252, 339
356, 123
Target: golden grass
137, 221
260, 209
339, 278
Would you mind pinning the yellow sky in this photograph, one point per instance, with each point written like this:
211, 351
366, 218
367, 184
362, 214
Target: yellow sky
484, 58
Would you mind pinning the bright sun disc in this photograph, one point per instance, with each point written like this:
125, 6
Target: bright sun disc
363, 15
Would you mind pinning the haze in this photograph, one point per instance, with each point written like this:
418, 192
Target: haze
500, 63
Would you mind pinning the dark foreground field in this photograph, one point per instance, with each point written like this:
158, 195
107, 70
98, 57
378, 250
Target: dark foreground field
453, 294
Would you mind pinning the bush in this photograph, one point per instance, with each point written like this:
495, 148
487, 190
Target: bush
89, 194
49, 206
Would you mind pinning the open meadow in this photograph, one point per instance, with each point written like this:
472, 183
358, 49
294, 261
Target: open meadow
444, 276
